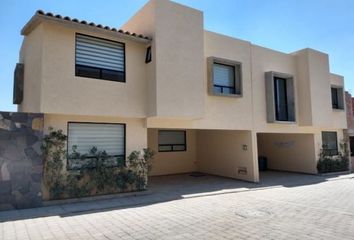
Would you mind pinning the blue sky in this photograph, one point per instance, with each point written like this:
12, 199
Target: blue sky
284, 25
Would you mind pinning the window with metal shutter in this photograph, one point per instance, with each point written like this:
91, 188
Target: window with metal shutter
99, 58
172, 141
103, 136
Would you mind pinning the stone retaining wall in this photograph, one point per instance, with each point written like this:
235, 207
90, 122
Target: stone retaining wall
21, 163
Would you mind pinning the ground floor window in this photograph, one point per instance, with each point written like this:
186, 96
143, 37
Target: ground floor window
84, 137
172, 141
329, 143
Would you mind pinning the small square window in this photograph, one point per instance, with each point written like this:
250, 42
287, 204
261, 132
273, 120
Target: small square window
225, 77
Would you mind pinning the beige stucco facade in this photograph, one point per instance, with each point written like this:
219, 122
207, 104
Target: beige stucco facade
225, 134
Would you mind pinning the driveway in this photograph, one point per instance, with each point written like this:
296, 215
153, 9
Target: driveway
283, 206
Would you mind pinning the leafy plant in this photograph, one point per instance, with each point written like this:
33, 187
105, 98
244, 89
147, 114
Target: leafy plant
141, 161
96, 174
338, 163
54, 151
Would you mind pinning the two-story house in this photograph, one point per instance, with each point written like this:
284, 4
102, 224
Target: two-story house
202, 100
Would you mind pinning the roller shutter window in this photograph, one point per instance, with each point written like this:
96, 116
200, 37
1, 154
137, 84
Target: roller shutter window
226, 78
172, 141
99, 58
104, 136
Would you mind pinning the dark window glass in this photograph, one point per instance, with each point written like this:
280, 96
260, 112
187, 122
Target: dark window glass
172, 141
90, 72
335, 103
334, 97
352, 146
329, 143
281, 99
148, 56
112, 75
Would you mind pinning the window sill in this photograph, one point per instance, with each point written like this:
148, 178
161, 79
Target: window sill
226, 95
285, 122
337, 109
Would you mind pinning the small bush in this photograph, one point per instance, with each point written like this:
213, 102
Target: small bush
97, 174
327, 165
338, 163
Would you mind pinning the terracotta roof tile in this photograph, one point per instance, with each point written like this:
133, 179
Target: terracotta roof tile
49, 14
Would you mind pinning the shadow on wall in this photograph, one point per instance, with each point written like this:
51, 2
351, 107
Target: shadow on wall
170, 188
288, 152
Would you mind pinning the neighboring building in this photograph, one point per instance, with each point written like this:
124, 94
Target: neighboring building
202, 100
350, 121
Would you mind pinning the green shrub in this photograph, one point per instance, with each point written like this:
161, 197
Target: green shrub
96, 175
338, 163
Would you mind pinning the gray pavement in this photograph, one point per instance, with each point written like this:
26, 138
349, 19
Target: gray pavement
282, 206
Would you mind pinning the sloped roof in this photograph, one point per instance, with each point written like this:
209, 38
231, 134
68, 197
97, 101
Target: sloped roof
40, 16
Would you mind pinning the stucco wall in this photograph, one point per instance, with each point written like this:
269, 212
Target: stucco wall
289, 152
265, 60
31, 55
61, 92
338, 116
171, 90
314, 83
177, 31
144, 22
220, 111
173, 162
221, 153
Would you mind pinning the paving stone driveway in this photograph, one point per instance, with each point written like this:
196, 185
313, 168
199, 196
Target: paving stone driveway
284, 206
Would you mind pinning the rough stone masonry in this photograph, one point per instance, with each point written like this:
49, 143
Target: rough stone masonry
21, 163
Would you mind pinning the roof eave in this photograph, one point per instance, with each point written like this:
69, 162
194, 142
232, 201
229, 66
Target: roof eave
39, 18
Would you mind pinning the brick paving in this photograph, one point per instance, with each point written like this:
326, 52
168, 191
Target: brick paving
284, 206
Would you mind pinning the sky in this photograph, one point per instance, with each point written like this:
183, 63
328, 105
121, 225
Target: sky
283, 25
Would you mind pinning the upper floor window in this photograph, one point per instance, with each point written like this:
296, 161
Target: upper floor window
329, 143
337, 97
148, 56
225, 77
280, 97
99, 58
